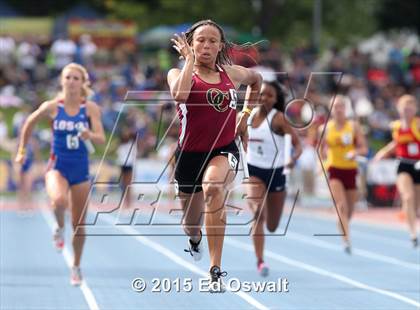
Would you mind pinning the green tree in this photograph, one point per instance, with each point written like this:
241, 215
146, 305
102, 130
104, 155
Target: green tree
393, 14
289, 21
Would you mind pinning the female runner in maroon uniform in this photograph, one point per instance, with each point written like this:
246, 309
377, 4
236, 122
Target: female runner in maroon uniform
207, 157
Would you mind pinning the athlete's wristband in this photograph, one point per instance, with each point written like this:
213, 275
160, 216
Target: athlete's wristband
21, 151
247, 111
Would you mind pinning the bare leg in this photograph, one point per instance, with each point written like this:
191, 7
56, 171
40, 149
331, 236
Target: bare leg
79, 195
57, 190
256, 192
405, 187
193, 206
417, 212
216, 177
24, 193
339, 195
275, 205
126, 179
417, 189
352, 196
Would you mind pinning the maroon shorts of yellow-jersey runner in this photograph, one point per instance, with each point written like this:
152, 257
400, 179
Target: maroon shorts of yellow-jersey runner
346, 176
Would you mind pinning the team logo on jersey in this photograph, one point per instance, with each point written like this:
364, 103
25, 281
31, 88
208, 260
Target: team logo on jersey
216, 98
67, 125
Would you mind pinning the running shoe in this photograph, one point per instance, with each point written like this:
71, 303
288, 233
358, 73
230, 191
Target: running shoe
195, 249
263, 269
347, 249
216, 283
76, 276
59, 239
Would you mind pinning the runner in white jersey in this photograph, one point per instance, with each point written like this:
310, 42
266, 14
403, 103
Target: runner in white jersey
266, 159
265, 150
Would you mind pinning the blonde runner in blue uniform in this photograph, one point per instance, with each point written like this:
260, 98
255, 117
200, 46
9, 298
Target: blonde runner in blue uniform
76, 121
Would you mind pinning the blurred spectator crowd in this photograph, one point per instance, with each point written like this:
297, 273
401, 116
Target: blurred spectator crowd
374, 74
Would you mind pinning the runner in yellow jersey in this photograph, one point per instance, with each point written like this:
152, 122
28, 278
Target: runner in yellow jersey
343, 140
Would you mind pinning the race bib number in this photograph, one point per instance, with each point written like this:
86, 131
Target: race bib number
176, 185
413, 149
233, 98
72, 142
347, 139
233, 162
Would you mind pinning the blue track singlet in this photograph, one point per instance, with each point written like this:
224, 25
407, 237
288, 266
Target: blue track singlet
69, 154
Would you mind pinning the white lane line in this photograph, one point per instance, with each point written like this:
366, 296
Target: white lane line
332, 217
177, 259
87, 292
358, 252
323, 272
388, 240
402, 242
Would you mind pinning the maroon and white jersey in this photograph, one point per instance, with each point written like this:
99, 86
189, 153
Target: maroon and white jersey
208, 117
